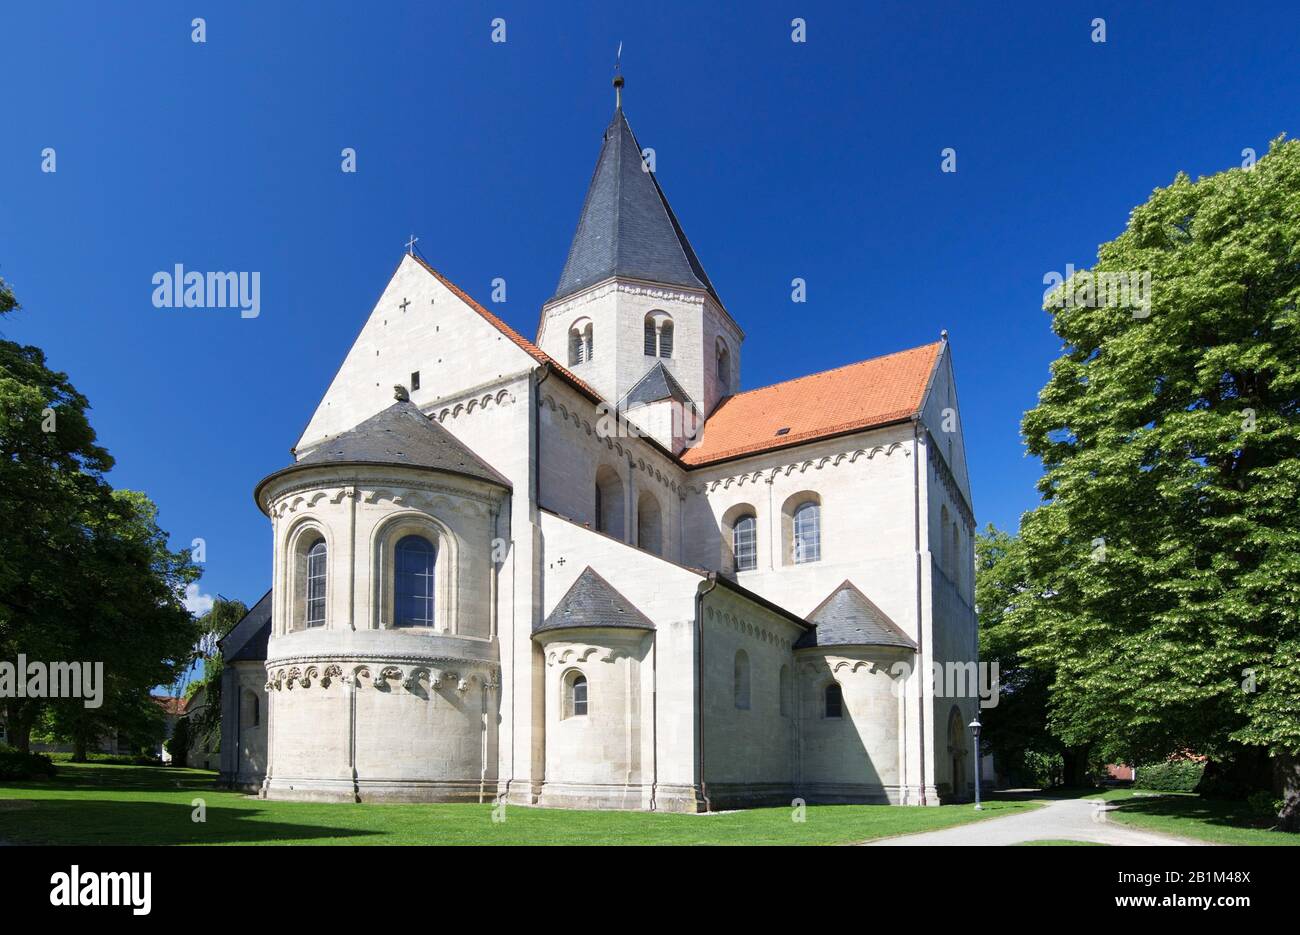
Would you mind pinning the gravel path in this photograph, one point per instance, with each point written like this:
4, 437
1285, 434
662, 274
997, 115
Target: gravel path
1070, 819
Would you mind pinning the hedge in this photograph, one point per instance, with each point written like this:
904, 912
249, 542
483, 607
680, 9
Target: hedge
1170, 776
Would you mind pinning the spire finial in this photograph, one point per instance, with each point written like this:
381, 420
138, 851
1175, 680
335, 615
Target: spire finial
618, 78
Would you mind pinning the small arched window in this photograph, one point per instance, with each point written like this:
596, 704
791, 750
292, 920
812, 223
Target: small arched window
724, 368
834, 700
413, 561
742, 679
744, 542
317, 557
575, 695
807, 533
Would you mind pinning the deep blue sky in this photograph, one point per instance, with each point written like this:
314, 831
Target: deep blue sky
818, 160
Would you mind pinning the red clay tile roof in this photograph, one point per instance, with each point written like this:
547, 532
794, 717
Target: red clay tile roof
170, 704
529, 347
848, 399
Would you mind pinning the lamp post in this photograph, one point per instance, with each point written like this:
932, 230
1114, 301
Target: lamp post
975, 730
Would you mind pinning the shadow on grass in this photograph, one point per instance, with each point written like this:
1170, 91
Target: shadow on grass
97, 821
1195, 808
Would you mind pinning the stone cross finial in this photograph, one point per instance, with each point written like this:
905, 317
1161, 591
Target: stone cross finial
400, 393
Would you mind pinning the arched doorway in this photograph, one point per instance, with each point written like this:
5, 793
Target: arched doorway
957, 753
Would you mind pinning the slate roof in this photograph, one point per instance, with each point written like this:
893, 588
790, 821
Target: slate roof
593, 602
848, 618
848, 399
658, 383
627, 227
247, 640
402, 435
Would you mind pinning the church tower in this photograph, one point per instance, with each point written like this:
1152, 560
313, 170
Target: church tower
635, 315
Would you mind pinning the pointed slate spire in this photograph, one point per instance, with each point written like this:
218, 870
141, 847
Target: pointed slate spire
627, 227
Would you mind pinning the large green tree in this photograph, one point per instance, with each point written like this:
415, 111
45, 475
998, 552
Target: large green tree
1165, 560
85, 572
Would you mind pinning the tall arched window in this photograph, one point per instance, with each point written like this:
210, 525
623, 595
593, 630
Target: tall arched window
649, 523
414, 560
834, 700
744, 542
316, 561
724, 368
609, 502
581, 344
945, 547
956, 555
742, 679
807, 533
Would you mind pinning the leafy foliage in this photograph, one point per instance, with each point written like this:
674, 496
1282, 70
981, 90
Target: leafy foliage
1163, 568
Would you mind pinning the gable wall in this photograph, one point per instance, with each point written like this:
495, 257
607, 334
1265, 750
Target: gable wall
449, 343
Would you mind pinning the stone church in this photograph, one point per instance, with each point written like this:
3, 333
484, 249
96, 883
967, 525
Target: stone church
590, 570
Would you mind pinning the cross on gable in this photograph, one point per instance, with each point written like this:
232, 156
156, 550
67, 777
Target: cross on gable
410, 245
560, 560
405, 302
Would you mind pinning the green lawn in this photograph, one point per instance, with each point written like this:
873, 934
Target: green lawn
102, 804
1189, 815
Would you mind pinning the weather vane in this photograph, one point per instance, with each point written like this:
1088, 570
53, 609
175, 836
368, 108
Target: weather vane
618, 77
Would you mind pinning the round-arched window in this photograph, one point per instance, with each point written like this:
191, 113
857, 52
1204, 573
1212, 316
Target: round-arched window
317, 557
413, 582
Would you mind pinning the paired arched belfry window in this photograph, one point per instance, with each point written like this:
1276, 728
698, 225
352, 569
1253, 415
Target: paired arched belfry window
742, 679
744, 542
317, 559
581, 344
724, 368
413, 584
658, 335
807, 532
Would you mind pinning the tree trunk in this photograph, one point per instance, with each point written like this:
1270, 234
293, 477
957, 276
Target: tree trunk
1076, 766
19, 718
1237, 773
1286, 776
79, 746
